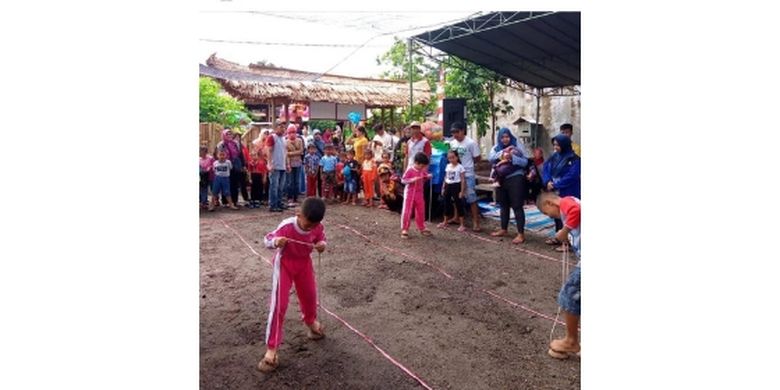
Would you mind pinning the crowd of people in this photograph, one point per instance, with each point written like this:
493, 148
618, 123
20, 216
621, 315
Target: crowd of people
391, 173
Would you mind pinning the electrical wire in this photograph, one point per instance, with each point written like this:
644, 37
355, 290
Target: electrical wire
285, 43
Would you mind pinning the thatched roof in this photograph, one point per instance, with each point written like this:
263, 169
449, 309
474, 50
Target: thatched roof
256, 83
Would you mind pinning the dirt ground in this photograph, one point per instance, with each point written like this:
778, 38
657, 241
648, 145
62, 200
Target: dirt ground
448, 331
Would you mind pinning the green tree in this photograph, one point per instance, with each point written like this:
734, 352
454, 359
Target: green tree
218, 107
475, 84
397, 58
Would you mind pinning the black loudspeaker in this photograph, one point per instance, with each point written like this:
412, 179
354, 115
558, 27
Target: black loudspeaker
453, 110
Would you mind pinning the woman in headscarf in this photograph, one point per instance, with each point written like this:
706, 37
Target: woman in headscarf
512, 192
561, 173
234, 153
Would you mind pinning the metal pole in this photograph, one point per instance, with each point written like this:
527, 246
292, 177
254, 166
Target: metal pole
538, 97
492, 113
411, 83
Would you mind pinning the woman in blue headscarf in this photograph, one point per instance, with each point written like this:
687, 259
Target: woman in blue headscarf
511, 192
561, 173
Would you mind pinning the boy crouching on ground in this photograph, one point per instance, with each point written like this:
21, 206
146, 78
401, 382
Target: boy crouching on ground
568, 210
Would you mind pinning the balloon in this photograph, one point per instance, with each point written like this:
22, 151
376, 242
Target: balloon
354, 117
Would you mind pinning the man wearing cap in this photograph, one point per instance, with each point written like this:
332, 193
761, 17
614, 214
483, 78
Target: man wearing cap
469, 153
417, 143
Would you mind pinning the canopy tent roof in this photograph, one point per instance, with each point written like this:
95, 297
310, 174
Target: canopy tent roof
256, 83
541, 49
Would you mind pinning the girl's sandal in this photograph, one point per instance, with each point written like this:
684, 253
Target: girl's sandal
518, 240
318, 334
552, 241
267, 365
462, 229
442, 225
404, 234
426, 233
563, 248
562, 355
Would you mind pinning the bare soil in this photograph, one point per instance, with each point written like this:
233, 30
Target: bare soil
447, 331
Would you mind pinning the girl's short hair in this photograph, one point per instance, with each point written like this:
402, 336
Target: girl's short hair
421, 158
454, 152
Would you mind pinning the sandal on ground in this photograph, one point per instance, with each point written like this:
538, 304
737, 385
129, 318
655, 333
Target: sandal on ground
476, 230
498, 233
426, 233
266, 365
462, 229
552, 241
233, 207
519, 239
559, 351
318, 334
404, 234
563, 248
442, 225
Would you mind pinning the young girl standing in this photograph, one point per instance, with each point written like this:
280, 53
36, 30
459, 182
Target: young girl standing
414, 201
454, 190
369, 177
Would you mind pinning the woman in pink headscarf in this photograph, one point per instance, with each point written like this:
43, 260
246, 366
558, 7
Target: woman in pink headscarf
233, 152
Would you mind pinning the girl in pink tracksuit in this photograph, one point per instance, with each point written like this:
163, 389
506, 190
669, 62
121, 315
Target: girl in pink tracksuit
294, 238
414, 200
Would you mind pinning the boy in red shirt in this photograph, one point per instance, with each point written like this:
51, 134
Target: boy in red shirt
294, 238
258, 169
568, 210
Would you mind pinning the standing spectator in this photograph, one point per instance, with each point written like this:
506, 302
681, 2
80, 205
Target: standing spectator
469, 154
295, 157
561, 173
368, 175
278, 166
512, 192
417, 143
234, 154
454, 190
206, 170
326, 135
568, 130
258, 168
311, 166
222, 171
382, 142
359, 143
399, 152
328, 173
414, 203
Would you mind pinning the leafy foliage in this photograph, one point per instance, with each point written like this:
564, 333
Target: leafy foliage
322, 124
475, 83
218, 107
398, 60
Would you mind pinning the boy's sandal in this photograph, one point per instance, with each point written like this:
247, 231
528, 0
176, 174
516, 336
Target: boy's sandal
518, 240
318, 334
552, 241
267, 365
498, 233
442, 225
426, 233
404, 234
462, 229
562, 248
562, 355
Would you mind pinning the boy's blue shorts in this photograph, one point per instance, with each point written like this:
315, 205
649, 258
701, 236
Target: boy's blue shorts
569, 297
350, 186
221, 183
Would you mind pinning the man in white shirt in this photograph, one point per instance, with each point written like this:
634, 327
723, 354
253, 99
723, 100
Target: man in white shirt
469, 153
383, 142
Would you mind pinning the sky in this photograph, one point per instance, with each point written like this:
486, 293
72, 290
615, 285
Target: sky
231, 21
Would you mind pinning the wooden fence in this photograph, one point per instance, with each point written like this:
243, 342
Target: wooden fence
211, 134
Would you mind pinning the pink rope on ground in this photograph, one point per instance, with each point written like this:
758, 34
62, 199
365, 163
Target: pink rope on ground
491, 293
543, 256
417, 259
334, 315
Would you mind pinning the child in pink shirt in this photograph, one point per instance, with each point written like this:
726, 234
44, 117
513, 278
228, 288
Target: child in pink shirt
414, 200
294, 238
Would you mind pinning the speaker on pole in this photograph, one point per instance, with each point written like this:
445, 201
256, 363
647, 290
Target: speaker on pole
454, 110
